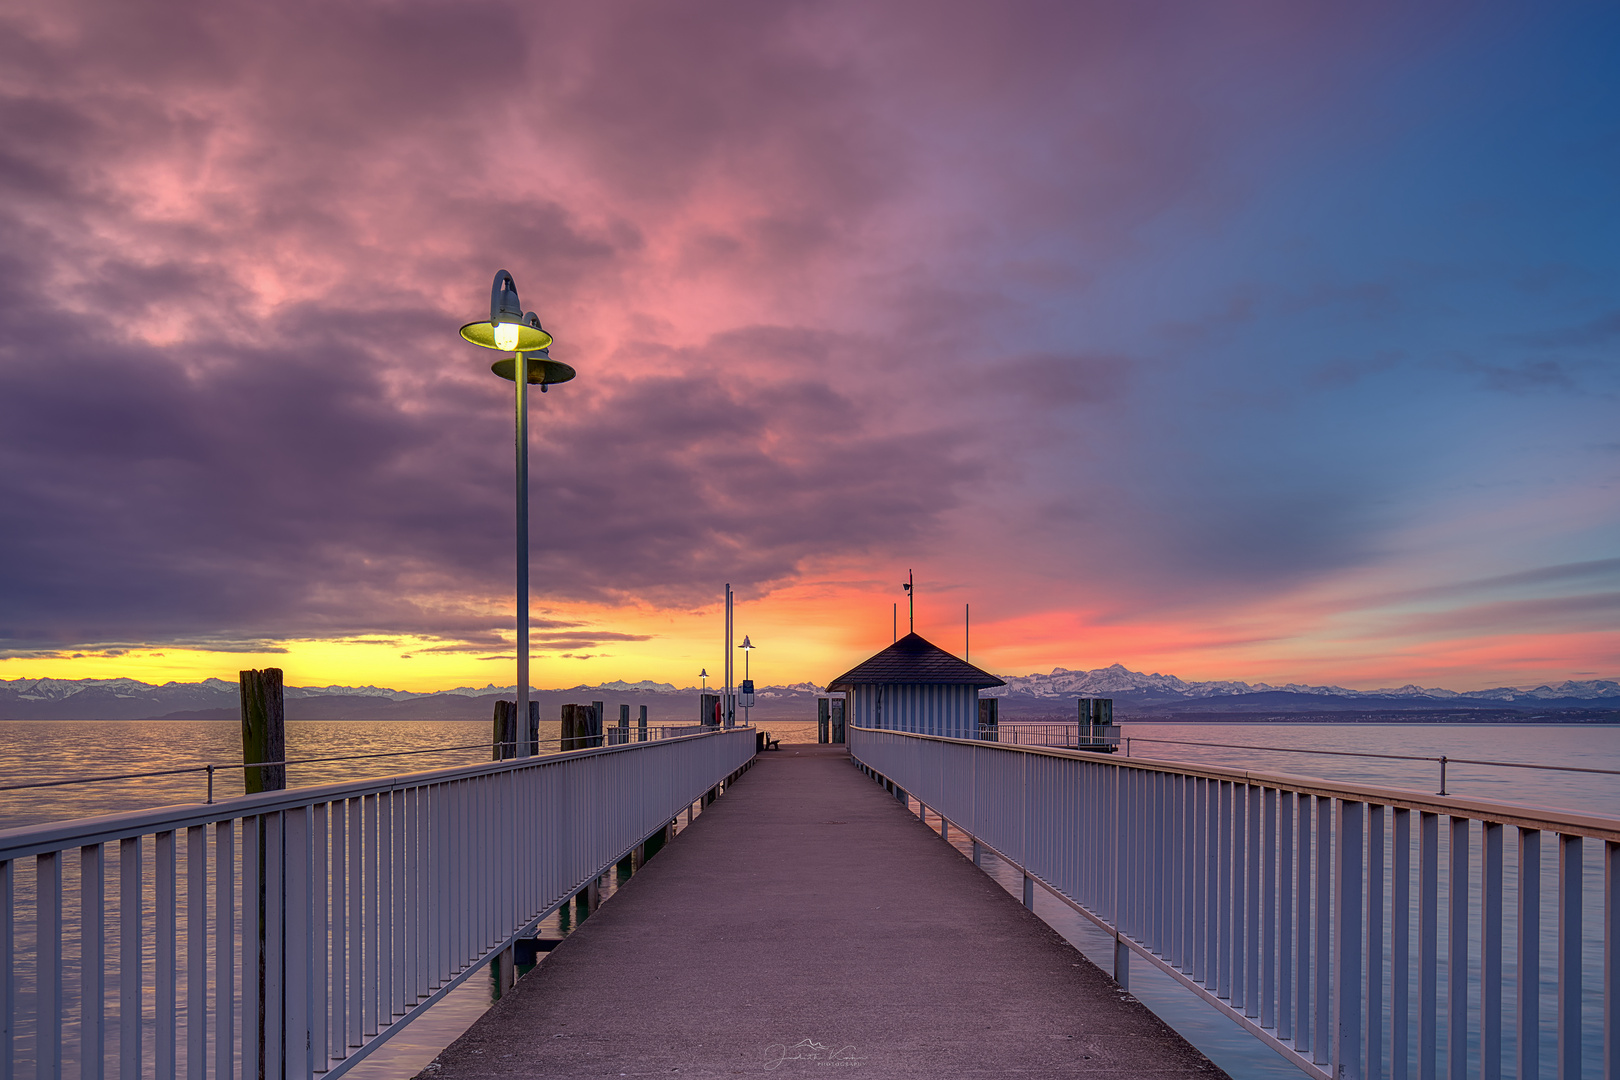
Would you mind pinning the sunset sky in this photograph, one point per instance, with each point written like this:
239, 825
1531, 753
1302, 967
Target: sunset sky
1262, 341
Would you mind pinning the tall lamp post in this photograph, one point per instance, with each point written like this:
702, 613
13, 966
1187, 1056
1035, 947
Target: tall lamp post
509, 329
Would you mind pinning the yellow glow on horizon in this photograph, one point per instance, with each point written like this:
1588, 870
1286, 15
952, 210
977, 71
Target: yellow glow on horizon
799, 638
815, 630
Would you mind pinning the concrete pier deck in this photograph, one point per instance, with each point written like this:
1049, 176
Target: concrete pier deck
807, 924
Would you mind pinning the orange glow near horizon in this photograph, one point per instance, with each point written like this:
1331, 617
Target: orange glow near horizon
812, 631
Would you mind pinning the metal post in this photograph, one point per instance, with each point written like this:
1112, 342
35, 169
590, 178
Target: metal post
522, 382
1611, 960
1400, 943
1457, 1013
1529, 955
1347, 943
1428, 940
1490, 955
1569, 957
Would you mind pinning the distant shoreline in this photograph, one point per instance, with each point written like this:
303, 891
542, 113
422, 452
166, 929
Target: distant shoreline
1401, 718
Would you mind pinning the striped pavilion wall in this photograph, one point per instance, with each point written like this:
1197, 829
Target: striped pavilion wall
927, 709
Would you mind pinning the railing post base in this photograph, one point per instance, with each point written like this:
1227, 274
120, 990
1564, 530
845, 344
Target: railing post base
1029, 892
503, 972
1122, 964
978, 855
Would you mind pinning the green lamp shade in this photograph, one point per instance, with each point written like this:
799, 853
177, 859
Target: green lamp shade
543, 371
530, 338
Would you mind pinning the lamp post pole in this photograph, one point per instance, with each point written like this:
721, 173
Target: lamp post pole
521, 727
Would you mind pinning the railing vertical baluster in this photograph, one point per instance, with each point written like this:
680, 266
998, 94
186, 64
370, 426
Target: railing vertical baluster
275, 1025
8, 973
1240, 898
48, 965
1611, 960
1569, 957
1189, 875
1490, 952
1170, 859
252, 1016
1528, 960
1302, 928
1322, 1037
461, 939
1201, 967
320, 927
415, 873
1428, 941
1131, 840
92, 964
224, 949
1457, 953
1159, 863
338, 1004
386, 973
1373, 1067
438, 843
358, 886
1400, 945
369, 933
1285, 914
1117, 812
1347, 939
197, 952
400, 889
163, 958
298, 988
1212, 884
1223, 910
1257, 855
1268, 907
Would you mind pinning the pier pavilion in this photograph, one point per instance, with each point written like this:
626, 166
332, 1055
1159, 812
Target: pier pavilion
914, 685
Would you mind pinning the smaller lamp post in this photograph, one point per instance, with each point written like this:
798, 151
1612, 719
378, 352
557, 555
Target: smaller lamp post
746, 697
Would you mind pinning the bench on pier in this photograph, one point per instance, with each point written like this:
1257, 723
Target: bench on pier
768, 743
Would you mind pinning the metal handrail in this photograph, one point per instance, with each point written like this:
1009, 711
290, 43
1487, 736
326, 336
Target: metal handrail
1267, 895
338, 913
210, 769
1443, 760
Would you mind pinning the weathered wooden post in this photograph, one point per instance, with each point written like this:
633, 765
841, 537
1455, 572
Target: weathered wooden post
264, 738
838, 706
501, 738
264, 731
823, 720
598, 719
641, 725
534, 727
570, 723
624, 724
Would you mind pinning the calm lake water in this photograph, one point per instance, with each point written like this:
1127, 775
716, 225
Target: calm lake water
56, 750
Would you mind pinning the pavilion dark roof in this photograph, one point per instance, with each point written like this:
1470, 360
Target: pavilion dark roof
914, 660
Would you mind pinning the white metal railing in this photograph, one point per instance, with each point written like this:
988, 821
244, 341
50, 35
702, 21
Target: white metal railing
290, 933
1095, 737
1289, 903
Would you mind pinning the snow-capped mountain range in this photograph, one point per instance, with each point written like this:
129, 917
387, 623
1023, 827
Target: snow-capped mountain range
25, 699
1119, 679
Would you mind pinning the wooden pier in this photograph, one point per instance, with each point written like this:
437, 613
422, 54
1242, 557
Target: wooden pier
807, 921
